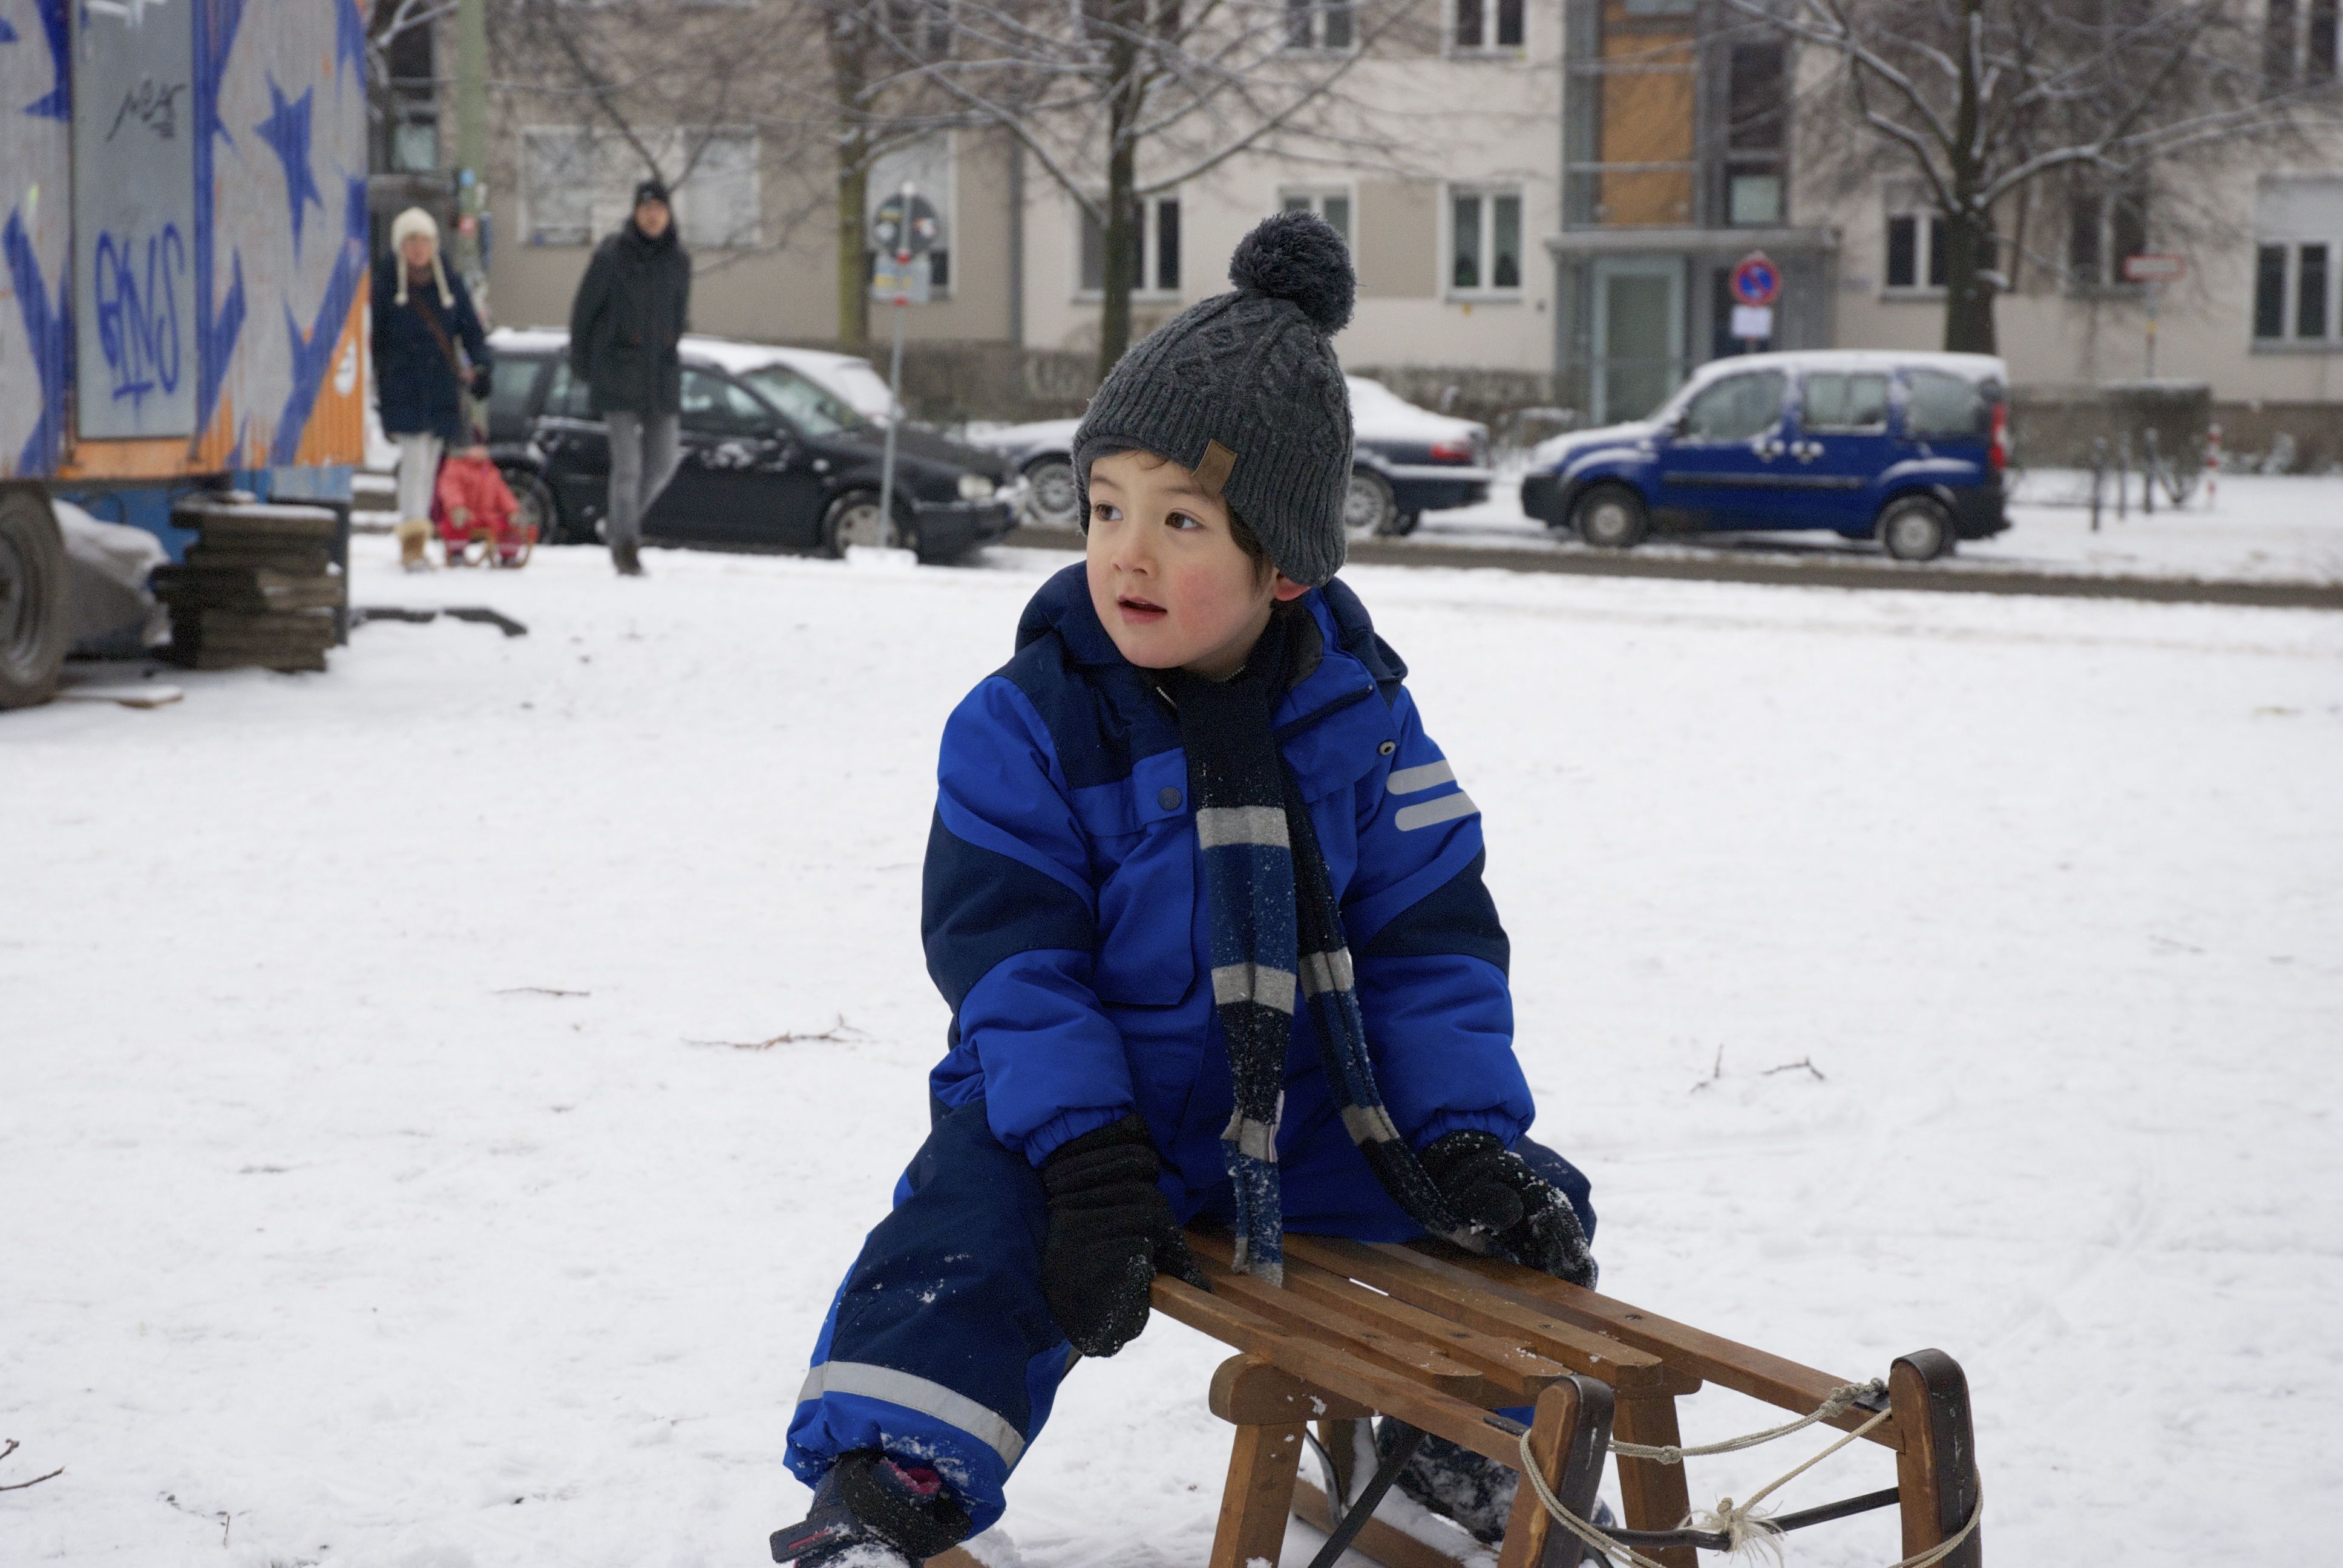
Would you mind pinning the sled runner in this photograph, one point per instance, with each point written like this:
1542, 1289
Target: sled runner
1442, 1339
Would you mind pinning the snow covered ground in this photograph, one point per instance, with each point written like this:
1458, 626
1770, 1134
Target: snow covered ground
403, 1165
2288, 528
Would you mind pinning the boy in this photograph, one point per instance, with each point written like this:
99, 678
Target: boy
1207, 905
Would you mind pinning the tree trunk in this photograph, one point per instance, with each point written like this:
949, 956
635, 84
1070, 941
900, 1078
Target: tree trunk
853, 264
1121, 211
1969, 293
1968, 229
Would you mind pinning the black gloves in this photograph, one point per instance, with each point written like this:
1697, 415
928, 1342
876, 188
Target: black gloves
1110, 1230
482, 379
1494, 1190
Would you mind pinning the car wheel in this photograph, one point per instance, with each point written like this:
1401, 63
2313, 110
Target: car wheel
537, 506
1368, 508
1916, 528
852, 519
1611, 518
1055, 501
32, 599
1406, 524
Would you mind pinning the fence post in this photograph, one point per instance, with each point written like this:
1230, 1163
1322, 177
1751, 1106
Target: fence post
2098, 476
2154, 465
2123, 476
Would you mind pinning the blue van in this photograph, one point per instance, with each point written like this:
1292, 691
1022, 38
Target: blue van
1905, 448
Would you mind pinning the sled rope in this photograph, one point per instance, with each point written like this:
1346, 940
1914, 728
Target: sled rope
1840, 1397
1741, 1526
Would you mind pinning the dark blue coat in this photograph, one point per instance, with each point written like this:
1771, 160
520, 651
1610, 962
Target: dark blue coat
1065, 923
415, 382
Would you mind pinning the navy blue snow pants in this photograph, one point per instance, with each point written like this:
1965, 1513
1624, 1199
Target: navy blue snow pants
940, 1347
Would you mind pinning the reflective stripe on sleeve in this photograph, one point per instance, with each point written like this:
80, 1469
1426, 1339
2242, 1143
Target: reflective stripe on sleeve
1416, 780
1423, 814
916, 1393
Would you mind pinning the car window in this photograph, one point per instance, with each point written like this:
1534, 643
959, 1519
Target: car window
568, 397
1836, 402
509, 385
809, 407
714, 404
1943, 408
1737, 407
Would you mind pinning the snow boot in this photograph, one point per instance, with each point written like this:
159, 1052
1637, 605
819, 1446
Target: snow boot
871, 1513
628, 559
412, 533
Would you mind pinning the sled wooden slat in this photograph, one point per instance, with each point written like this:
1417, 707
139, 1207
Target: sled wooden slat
1506, 1365
1468, 1299
1652, 1496
1774, 1378
1306, 1314
1322, 1366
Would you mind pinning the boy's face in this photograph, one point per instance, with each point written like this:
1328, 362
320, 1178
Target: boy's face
1167, 577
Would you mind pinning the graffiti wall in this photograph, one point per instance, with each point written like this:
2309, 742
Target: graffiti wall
185, 272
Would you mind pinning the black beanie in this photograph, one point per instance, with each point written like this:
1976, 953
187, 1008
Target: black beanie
1244, 390
652, 190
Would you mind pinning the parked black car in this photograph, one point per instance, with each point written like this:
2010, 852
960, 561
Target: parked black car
769, 458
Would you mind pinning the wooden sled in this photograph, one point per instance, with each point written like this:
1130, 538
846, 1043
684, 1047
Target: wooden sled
1440, 1339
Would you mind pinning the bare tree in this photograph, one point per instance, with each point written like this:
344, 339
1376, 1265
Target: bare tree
1983, 102
1117, 100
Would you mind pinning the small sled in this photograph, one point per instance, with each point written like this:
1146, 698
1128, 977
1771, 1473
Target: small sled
1442, 1339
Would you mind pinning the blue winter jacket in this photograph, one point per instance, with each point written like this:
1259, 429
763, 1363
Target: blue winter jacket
416, 384
1065, 923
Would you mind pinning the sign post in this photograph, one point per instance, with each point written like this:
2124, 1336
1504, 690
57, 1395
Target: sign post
1756, 285
2153, 272
903, 231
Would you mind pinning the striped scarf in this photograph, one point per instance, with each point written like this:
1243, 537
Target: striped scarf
1276, 936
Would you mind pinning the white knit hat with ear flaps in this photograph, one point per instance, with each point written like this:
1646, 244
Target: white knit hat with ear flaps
407, 224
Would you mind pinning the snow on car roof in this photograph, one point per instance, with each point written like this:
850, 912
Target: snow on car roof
1967, 366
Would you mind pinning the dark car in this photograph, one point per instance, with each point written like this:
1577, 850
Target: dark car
1909, 448
768, 459
1405, 461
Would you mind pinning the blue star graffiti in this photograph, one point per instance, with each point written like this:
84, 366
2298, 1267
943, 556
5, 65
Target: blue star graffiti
287, 132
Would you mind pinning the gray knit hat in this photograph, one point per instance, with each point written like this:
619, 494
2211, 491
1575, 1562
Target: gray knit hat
1244, 389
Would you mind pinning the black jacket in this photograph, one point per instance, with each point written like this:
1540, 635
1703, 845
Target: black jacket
628, 313
414, 378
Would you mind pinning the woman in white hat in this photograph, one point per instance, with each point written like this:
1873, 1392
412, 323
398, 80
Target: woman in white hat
427, 347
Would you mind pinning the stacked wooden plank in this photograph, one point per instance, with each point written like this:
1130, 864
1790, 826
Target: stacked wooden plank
262, 587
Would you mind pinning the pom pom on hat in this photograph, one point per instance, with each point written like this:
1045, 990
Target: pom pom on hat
1297, 256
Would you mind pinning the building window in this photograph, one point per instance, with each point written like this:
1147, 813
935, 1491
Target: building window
1320, 25
1630, 105
577, 184
926, 166
1757, 126
1916, 252
1488, 25
1335, 207
2299, 263
1485, 242
2299, 40
919, 28
2104, 229
1155, 248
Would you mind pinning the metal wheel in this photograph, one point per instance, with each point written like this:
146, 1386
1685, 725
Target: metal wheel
1916, 528
1368, 508
538, 507
852, 519
1055, 501
32, 599
1611, 518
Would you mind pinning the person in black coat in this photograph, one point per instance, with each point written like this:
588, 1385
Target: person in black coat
428, 347
624, 327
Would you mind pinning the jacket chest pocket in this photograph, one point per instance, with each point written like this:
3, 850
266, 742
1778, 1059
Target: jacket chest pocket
1147, 909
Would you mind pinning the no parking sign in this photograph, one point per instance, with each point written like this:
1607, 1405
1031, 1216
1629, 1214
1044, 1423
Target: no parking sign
1756, 285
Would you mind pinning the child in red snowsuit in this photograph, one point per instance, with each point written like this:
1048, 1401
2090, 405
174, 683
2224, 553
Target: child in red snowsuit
473, 501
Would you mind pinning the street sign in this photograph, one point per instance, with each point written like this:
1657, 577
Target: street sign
2155, 269
1753, 323
1756, 280
905, 223
899, 280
